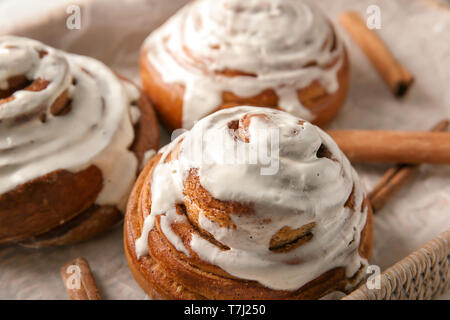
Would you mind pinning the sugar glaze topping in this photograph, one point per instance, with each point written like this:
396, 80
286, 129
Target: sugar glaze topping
282, 45
64, 111
309, 186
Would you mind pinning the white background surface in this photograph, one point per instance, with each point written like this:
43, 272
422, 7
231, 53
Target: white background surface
417, 31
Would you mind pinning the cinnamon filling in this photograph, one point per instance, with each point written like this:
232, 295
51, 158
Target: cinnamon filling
42, 53
203, 233
16, 83
235, 73
240, 128
324, 152
350, 203
62, 105
37, 85
288, 239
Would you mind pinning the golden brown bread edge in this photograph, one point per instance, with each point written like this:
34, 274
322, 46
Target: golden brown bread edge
168, 274
168, 97
59, 208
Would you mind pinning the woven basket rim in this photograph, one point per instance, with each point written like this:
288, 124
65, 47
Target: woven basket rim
424, 274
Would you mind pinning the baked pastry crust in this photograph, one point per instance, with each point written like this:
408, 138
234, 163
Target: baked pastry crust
165, 273
203, 55
168, 273
59, 208
168, 97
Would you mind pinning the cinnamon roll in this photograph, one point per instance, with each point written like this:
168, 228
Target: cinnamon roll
72, 135
251, 203
218, 54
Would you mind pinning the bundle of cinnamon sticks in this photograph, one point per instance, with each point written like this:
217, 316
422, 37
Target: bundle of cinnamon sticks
409, 149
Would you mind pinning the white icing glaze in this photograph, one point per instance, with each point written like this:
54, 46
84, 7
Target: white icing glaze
304, 189
97, 131
274, 40
133, 95
147, 156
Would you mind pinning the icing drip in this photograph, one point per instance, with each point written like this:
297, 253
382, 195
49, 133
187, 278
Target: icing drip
147, 156
283, 45
96, 129
306, 188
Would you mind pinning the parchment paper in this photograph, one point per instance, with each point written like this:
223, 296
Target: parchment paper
417, 31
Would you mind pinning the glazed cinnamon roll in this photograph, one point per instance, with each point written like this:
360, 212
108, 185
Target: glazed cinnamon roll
72, 136
218, 54
252, 203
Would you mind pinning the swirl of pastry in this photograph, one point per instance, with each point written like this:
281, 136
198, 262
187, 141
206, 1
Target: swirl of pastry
212, 216
67, 124
217, 54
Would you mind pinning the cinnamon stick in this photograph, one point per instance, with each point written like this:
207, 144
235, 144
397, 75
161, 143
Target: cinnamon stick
394, 146
79, 281
394, 74
396, 177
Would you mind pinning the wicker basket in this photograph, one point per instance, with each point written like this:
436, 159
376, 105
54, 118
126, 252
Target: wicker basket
422, 275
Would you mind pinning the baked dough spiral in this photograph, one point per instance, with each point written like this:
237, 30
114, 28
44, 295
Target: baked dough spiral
67, 127
216, 54
208, 219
